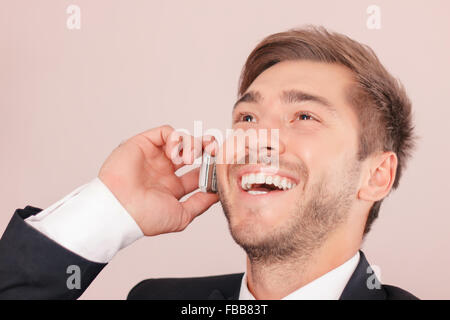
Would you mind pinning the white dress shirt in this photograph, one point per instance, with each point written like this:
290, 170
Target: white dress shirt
89, 221
93, 224
327, 287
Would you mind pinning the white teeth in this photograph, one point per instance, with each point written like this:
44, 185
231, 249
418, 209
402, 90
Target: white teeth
259, 178
244, 182
283, 184
276, 181
256, 192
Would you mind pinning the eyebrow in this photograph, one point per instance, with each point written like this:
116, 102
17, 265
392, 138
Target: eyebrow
287, 97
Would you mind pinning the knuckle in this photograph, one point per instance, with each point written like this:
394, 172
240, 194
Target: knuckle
167, 127
184, 222
123, 142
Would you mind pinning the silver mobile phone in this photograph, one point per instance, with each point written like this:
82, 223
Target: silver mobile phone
207, 181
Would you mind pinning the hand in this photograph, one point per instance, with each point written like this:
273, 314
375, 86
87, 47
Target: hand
141, 174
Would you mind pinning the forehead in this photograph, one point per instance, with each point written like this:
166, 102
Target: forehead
331, 81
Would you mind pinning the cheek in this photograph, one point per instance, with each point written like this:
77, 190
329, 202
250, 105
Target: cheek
221, 174
323, 153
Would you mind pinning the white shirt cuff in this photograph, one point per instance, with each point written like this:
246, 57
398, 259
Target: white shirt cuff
89, 221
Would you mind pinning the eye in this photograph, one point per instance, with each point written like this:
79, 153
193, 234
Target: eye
245, 117
304, 116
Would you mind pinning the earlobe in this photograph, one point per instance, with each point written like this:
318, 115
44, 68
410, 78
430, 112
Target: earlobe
381, 177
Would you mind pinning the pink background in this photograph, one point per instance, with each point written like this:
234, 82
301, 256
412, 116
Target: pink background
69, 97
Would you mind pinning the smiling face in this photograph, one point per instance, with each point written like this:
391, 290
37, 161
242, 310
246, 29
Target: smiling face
277, 213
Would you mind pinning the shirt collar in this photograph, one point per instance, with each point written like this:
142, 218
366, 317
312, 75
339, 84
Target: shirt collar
327, 287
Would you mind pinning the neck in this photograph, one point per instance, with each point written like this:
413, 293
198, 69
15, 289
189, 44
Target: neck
268, 280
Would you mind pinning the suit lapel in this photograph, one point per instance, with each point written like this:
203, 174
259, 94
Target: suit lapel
235, 295
357, 288
230, 293
360, 283
216, 294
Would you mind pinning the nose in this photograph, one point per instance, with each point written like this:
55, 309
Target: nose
270, 144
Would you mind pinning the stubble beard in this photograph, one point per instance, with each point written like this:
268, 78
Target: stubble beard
307, 227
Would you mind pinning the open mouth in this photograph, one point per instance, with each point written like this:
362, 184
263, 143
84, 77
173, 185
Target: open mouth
263, 183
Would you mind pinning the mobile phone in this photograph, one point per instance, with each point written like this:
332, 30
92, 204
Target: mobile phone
207, 181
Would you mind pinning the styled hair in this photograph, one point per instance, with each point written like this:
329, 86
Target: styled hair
380, 101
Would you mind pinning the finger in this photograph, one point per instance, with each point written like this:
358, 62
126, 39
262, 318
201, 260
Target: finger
196, 204
189, 180
184, 149
210, 145
192, 150
181, 148
158, 136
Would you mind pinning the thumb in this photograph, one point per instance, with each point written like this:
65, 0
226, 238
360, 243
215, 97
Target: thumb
196, 204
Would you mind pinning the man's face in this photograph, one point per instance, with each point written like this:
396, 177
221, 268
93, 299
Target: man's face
317, 148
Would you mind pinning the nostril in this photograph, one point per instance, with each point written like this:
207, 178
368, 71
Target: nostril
269, 151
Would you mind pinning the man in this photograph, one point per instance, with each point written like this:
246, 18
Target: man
345, 133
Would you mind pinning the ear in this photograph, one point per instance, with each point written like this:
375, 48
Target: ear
380, 178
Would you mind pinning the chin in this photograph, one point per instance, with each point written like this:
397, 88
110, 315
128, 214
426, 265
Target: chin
248, 234
254, 220
251, 225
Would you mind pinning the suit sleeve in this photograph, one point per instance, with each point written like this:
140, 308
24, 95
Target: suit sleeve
32, 266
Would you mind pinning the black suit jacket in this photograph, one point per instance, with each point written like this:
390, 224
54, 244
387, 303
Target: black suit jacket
32, 266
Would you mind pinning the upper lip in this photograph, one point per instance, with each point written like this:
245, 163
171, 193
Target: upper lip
267, 170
